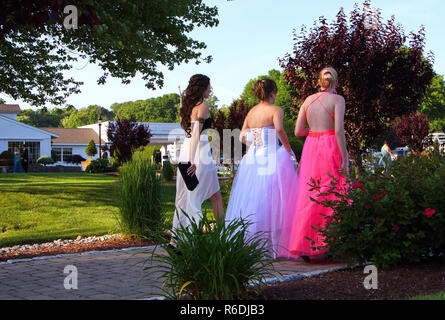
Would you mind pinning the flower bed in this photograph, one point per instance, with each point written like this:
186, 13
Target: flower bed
390, 217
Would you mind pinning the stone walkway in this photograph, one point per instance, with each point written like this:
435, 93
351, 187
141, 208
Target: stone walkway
107, 275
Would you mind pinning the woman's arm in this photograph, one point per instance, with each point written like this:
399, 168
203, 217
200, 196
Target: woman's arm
300, 130
278, 123
242, 136
203, 112
340, 130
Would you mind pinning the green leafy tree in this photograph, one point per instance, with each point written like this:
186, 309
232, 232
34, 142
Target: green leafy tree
212, 102
91, 150
284, 98
122, 37
433, 105
45, 117
160, 109
85, 116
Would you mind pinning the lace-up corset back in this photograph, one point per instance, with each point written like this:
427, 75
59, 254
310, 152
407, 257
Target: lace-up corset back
261, 136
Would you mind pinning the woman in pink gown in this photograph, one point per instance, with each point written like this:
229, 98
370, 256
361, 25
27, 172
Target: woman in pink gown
324, 153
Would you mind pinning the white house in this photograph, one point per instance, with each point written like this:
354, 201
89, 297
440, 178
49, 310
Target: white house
72, 141
14, 134
168, 135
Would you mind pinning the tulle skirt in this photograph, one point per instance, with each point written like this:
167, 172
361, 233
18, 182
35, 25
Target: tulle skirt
191, 201
321, 155
265, 181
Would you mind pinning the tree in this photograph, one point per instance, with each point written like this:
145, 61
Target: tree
433, 105
91, 149
123, 37
160, 109
411, 130
212, 101
284, 98
380, 77
44, 117
85, 116
126, 136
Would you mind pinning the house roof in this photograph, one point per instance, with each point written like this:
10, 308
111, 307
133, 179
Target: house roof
9, 108
74, 135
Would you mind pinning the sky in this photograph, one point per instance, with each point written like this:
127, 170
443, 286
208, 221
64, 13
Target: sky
250, 38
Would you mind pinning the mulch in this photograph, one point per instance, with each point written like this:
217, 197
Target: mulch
110, 244
396, 283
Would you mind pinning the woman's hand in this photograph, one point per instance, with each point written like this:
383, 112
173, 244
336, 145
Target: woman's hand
191, 170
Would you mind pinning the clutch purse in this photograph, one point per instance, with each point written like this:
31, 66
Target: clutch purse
191, 182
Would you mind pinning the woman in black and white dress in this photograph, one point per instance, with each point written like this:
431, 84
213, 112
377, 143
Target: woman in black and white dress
195, 119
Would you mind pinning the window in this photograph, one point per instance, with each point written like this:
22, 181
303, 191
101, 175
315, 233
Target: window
33, 148
62, 154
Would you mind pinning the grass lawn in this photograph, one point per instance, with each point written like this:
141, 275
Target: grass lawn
42, 207
438, 296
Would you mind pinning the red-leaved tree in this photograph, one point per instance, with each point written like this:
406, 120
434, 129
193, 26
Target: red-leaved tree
125, 137
380, 76
412, 130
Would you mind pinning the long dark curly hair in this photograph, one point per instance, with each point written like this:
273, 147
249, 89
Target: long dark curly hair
191, 97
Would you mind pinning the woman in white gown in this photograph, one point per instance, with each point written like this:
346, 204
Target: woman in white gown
196, 151
264, 185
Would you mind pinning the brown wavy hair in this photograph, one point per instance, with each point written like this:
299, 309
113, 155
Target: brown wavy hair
263, 88
192, 96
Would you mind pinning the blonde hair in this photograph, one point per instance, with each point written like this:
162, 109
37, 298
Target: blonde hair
328, 78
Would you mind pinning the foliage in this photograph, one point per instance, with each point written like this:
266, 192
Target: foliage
391, 217
212, 102
146, 152
45, 160
167, 171
437, 125
123, 37
125, 137
216, 261
140, 205
159, 109
380, 77
85, 116
411, 130
91, 149
433, 105
296, 143
6, 155
99, 166
45, 117
75, 159
284, 98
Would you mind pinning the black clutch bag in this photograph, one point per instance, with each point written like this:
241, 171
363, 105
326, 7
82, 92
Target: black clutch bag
191, 182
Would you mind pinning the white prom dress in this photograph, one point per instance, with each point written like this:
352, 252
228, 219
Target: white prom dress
264, 186
191, 201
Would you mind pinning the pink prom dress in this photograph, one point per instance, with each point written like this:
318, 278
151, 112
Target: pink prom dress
321, 155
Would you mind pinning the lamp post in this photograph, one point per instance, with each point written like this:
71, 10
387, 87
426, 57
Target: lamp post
100, 125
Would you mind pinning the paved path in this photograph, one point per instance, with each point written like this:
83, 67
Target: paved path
105, 275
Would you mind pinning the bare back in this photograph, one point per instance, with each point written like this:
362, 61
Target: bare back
261, 116
322, 110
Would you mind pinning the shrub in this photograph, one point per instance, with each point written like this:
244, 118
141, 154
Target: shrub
45, 160
6, 155
219, 264
98, 166
90, 149
391, 217
167, 171
75, 159
140, 203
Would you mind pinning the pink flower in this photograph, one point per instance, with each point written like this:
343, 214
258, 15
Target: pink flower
396, 228
357, 185
377, 219
429, 213
378, 196
384, 193
350, 202
368, 206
